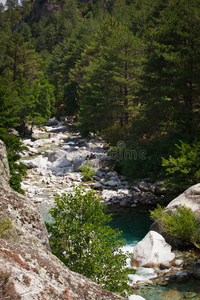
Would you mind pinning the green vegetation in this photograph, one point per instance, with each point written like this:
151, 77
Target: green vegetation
87, 170
183, 168
81, 240
181, 223
5, 226
128, 70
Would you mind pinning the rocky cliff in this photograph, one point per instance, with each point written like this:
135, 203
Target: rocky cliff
28, 270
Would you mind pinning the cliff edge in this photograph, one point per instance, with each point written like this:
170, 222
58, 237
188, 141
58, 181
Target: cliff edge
28, 270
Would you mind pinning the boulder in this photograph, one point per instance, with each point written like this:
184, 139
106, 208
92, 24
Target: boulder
54, 155
52, 122
190, 198
111, 183
152, 251
135, 297
108, 195
32, 151
96, 186
112, 173
62, 163
38, 162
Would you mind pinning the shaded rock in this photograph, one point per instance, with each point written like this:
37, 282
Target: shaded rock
52, 122
152, 251
96, 186
59, 129
143, 186
160, 188
123, 203
111, 183
112, 174
32, 151
62, 163
178, 262
165, 265
4, 167
54, 155
77, 163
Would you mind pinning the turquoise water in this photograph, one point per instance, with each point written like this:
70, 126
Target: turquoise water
133, 222
178, 291
135, 225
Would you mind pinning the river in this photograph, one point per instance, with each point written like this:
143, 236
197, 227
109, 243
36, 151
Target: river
135, 224
41, 186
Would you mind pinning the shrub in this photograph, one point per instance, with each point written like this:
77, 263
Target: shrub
183, 168
82, 241
5, 226
87, 170
182, 223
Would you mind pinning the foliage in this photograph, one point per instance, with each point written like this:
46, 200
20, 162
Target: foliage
80, 239
183, 167
14, 146
9, 109
87, 170
5, 226
171, 81
181, 223
106, 78
9, 119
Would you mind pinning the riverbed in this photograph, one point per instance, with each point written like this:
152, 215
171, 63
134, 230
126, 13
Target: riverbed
44, 182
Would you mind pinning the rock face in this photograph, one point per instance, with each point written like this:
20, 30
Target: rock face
152, 251
28, 270
4, 168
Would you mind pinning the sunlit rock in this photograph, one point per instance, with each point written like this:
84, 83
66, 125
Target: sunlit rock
190, 198
152, 251
38, 162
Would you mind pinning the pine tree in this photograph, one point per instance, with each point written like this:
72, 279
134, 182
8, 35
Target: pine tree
107, 75
173, 67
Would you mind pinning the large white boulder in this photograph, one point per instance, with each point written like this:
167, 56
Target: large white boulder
62, 163
54, 155
38, 162
152, 251
135, 297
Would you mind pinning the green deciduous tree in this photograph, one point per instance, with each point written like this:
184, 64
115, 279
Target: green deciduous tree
81, 239
183, 167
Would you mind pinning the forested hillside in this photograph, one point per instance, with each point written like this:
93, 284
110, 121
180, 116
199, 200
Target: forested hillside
128, 70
